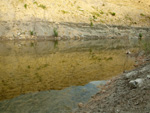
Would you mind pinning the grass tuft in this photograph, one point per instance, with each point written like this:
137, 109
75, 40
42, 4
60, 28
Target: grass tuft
35, 3
91, 24
31, 33
142, 14
25, 6
42, 6
64, 12
112, 13
55, 32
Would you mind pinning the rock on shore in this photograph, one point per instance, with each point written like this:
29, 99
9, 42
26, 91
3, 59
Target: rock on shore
129, 93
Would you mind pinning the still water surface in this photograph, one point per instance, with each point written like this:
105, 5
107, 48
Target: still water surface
31, 66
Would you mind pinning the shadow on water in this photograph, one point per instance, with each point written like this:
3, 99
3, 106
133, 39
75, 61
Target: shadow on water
30, 66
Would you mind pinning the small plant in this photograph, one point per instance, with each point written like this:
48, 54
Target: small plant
35, 3
101, 12
28, 66
94, 17
95, 14
112, 13
31, 33
55, 32
32, 44
142, 14
78, 7
42, 6
103, 5
25, 6
140, 35
64, 12
91, 24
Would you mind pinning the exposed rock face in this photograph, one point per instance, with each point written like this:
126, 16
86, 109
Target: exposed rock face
45, 30
120, 97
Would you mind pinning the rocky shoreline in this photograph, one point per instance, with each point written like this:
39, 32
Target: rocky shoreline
128, 93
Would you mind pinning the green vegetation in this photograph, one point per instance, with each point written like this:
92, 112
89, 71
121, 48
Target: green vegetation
140, 35
25, 6
55, 32
35, 3
64, 12
42, 6
91, 24
78, 7
128, 18
142, 14
28, 66
112, 13
94, 17
101, 12
31, 33
95, 14
32, 44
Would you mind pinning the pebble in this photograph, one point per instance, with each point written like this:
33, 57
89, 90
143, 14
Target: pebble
136, 83
130, 74
128, 52
133, 84
103, 91
80, 105
148, 76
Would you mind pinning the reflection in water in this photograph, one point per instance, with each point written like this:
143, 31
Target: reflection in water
55, 43
29, 66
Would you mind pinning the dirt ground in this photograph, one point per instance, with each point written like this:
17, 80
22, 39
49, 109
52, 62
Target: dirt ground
118, 12
124, 94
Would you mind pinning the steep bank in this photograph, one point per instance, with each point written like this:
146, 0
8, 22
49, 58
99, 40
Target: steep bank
45, 30
22, 19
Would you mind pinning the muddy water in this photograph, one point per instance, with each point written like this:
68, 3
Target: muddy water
30, 66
